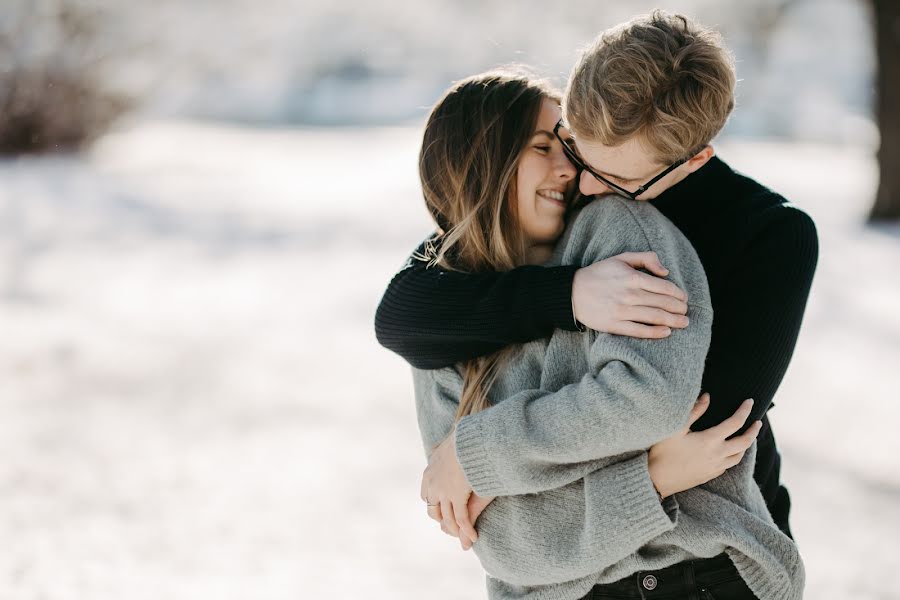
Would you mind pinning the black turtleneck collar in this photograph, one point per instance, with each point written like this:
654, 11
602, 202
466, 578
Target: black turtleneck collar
696, 186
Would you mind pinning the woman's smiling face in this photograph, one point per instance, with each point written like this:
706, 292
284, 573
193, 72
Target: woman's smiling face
543, 179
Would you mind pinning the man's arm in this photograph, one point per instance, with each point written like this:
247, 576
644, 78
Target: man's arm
759, 314
435, 318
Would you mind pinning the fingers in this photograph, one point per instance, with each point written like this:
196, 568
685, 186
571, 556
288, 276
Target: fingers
461, 511
434, 512
448, 519
463, 529
664, 287
644, 260
664, 302
652, 282
637, 330
654, 316
733, 423
477, 504
700, 407
448, 524
734, 459
743, 441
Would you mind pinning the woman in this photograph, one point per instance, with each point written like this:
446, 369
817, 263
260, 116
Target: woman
580, 501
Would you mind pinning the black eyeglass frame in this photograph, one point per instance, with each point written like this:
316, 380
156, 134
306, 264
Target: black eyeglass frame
579, 162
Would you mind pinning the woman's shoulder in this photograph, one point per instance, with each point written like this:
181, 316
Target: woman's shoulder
629, 213
613, 224
610, 225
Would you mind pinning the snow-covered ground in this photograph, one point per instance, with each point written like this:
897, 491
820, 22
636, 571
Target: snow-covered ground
193, 404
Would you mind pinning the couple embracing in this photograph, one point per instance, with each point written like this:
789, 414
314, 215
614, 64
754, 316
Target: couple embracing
598, 327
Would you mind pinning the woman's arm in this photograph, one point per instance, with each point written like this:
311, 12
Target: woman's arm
630, 511
560, 534
575, 531
540, 439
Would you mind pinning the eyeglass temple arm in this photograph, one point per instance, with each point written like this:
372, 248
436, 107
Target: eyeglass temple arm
671, 168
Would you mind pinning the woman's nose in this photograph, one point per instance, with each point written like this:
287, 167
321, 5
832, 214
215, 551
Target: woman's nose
565, 169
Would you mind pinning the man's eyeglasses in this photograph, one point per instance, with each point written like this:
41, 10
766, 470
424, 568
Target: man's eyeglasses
572, 154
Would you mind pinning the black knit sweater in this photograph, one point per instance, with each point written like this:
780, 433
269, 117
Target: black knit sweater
759, 253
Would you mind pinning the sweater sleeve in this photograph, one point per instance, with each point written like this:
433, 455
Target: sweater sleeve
435, 318
635, 393
574, 531
761, 309
560, 534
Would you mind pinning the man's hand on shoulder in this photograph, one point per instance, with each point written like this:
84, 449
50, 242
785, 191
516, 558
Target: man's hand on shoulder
612, 296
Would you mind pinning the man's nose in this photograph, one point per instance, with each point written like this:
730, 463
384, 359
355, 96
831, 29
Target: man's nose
590, 185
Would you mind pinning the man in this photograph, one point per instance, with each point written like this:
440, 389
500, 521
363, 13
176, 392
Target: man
643, 104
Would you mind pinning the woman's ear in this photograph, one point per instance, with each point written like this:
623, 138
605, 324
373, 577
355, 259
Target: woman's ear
700, 159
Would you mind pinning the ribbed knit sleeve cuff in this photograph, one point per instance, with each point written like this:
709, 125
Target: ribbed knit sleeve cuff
646, 516
554, 296
474, 459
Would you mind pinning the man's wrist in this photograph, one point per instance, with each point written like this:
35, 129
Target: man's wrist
658, 494
553, 297
651, 471
578, 324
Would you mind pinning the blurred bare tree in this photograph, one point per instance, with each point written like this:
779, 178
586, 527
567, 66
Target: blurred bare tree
887, 42
51, 55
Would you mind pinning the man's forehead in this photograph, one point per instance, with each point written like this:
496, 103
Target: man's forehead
626, 160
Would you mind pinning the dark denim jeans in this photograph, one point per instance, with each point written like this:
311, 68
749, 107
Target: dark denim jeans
704, 579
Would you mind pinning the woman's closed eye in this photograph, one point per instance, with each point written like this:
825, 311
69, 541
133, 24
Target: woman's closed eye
542, 148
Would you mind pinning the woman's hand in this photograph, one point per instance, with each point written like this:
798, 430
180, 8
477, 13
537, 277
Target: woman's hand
688, 458
477, 504
446, 490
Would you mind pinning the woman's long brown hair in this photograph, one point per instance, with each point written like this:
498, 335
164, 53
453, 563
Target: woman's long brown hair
467, 165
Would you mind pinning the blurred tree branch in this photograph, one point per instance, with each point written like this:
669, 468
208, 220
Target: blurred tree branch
887, 43
51, 97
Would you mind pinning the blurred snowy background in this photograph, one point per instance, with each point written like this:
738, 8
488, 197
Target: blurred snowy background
192, 401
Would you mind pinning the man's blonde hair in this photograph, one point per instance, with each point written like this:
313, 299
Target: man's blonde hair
660, 77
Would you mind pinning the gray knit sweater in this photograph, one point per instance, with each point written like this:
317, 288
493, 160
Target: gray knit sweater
564, 444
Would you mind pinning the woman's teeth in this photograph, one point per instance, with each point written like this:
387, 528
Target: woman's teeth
551, 195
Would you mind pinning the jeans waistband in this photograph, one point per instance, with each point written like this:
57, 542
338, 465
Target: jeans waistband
682, 580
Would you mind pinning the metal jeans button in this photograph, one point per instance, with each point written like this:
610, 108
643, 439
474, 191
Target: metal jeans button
649, 582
